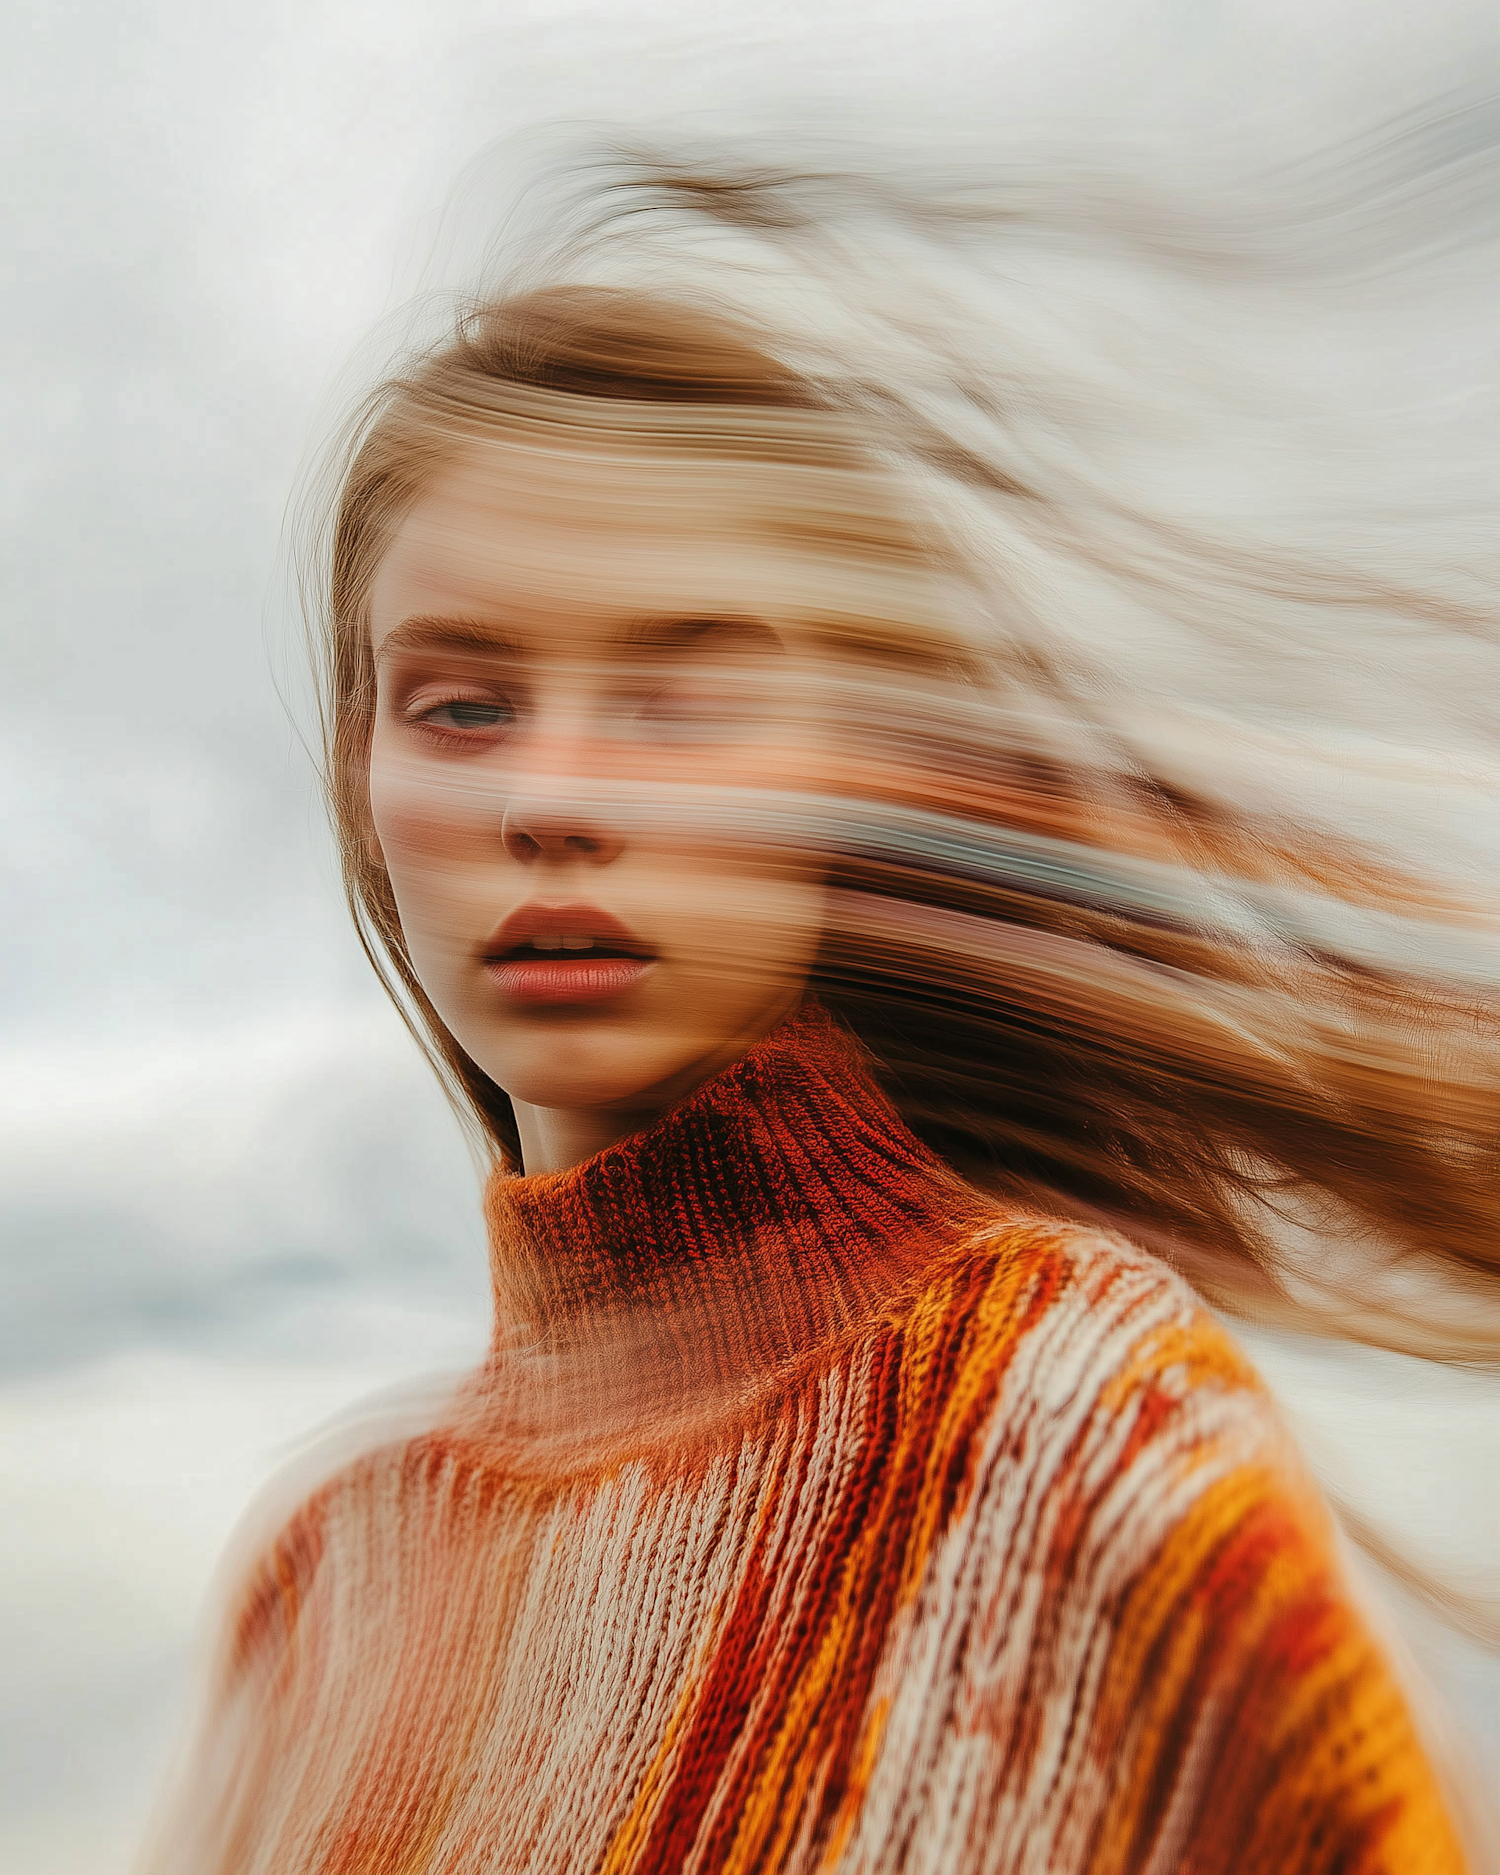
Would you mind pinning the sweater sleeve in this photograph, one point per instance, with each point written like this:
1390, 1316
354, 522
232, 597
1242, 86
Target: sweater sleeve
1248, 1718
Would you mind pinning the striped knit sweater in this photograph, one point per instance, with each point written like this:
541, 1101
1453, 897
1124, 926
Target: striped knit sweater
812, 1514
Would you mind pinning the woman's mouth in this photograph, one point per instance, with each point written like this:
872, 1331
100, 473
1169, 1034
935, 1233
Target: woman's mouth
565, 954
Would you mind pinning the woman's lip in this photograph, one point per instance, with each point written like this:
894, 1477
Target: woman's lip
573, 919
567, 979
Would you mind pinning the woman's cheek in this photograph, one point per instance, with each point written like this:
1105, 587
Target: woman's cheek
750, 930
417, 812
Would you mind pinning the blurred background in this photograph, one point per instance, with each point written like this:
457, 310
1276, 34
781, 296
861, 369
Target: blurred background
231, 1201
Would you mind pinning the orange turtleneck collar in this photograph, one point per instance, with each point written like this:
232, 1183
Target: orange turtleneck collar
778, 1205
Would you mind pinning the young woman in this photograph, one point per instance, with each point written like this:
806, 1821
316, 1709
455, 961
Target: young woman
852, 1484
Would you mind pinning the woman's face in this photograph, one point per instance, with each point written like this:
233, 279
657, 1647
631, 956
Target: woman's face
592, 691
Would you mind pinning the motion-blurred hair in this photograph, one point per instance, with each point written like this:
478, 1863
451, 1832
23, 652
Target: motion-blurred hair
1093, 987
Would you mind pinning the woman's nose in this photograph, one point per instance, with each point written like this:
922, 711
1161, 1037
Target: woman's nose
544, 826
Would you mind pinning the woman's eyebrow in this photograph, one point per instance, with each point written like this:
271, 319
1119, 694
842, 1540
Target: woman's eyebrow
447, 634
652, 636
685, 634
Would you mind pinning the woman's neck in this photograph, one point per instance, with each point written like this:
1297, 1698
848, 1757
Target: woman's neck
555, 1139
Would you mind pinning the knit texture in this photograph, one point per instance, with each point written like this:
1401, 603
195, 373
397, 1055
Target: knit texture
808, 1514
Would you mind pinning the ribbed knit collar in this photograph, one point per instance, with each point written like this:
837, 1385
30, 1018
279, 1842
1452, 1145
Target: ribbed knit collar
778, 1205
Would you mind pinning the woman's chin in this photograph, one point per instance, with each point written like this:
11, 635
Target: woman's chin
583, 1068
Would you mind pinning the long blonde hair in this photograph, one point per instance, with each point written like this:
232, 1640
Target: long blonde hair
1263, 1048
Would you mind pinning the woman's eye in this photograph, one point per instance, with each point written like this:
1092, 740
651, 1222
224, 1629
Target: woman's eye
462, 714
689, 713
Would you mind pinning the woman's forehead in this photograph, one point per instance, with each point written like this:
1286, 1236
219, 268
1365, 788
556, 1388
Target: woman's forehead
601, 534
633, 488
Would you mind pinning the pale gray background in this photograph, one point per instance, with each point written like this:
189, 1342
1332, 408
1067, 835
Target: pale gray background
231, 1200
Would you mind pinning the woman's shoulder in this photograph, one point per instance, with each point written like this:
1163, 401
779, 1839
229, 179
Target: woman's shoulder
1108, 1402
1140, 1529
1090, 1366
1087, 1311
390, 1467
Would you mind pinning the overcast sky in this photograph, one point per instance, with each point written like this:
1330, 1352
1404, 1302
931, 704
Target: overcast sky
203, 1098
229, 1197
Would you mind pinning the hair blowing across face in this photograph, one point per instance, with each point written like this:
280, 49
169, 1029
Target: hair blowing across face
1029, 937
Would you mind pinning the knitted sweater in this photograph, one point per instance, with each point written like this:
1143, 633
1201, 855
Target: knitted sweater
812, 1513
